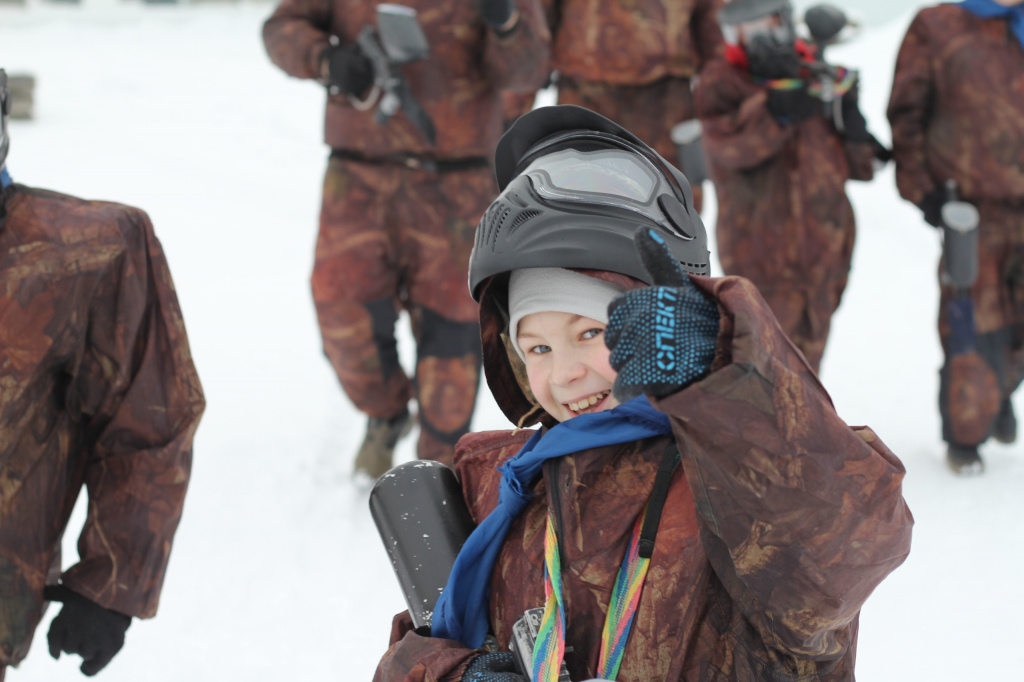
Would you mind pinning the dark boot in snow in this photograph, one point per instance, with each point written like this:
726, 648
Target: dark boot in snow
964, 460
1004, 429
374, 457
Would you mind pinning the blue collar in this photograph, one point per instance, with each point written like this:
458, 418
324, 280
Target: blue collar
461, 612
5, 177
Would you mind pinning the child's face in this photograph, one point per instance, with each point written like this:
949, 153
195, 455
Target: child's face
567, 363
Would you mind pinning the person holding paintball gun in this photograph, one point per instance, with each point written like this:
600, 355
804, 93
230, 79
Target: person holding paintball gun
783, 133
957, 116
414, 110
658, 542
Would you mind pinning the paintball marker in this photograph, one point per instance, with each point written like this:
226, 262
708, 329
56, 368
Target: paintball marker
825, 25
959, 266
423, 522
959, 241
398, 39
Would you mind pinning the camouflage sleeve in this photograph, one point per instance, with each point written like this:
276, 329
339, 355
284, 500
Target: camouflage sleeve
296, 34
801, 515
413, 657
909, 109
140, 400
707, 34
521, 60
739, 133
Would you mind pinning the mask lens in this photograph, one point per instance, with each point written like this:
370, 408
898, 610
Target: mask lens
606, 173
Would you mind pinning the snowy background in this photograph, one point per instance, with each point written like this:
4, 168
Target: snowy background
277, 570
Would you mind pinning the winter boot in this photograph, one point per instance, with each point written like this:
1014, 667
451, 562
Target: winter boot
964, 460
1004, 428
374, 457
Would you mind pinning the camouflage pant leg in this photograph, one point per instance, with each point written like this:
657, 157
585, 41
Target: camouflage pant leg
648, 111
438, 215
355, 287
972, 384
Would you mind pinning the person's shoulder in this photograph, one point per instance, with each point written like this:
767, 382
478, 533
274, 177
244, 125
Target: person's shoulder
60, 217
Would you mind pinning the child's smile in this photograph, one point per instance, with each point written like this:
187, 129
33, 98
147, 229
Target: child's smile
592, 403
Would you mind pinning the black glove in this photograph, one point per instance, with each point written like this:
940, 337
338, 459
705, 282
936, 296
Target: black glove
931, 205
85, 628
496, 13
855, 127
792, 105
495, 667
662, 338
348, 69
768, 58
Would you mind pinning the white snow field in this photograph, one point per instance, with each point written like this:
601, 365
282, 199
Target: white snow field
277, 572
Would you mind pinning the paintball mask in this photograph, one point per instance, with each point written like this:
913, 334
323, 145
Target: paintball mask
575, 189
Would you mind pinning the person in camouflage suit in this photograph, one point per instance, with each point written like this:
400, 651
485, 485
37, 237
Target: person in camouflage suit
634, 62
780, 168
763, 555
97, 388
957, 113
398, 214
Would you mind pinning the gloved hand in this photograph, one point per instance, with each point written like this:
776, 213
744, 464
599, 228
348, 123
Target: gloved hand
931, 205
662, 338
793, 105
493, 667
855, 127
85, 628
496, 13
347, 68
770, 59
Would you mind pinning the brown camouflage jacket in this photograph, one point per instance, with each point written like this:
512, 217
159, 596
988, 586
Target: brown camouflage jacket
633, 43
957, 106
97, 386
459, 85
783, 214
779, 525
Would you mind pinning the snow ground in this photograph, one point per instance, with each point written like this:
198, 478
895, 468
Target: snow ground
277, 570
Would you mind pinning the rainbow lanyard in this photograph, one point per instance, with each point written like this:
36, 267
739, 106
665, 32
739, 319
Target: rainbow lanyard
549, 649
845, 78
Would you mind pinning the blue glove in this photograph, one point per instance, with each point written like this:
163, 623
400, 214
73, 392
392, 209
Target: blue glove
662, 338
494, 667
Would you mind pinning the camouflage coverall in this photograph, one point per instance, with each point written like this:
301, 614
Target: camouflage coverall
764, 555
634, 62
957, 112
398, 215
97, 387
784, 221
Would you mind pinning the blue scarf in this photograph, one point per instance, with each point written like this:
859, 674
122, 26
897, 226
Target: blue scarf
987, 9
461, 610
5, 178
